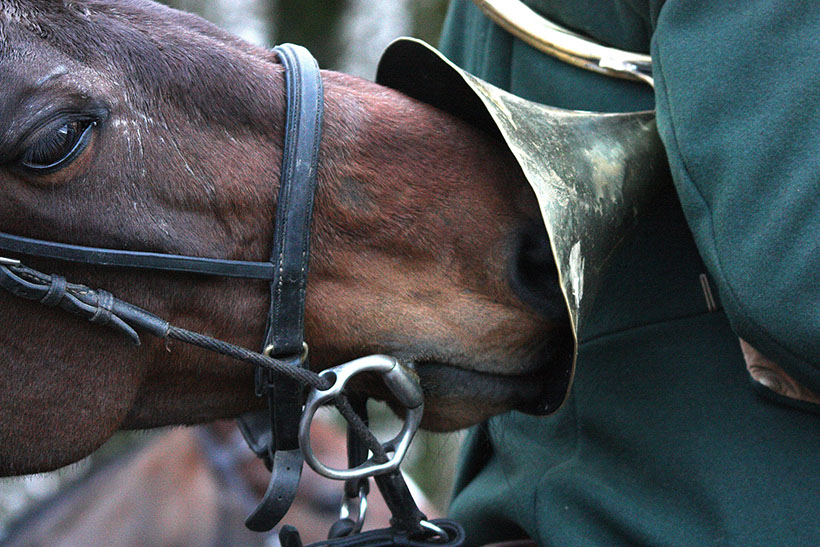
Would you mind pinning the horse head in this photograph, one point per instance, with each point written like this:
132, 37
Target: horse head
129, 125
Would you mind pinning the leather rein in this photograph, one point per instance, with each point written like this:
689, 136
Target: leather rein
282, 437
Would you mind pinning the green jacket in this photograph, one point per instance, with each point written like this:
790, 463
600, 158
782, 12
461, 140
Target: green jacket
663, 439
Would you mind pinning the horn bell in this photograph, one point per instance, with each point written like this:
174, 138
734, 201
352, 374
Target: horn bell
592, 173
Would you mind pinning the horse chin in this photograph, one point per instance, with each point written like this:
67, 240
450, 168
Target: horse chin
456, 397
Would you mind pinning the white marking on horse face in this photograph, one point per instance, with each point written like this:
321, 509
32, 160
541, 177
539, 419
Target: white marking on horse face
60, 70
141, 150
131, 130
230, 137
81, 9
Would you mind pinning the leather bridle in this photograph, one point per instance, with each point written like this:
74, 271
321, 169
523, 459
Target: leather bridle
282, 366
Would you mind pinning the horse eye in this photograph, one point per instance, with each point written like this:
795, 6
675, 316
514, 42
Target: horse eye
58, 149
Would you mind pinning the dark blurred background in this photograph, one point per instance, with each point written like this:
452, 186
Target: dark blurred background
344, 35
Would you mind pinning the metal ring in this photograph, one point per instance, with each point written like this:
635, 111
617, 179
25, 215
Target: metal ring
344, 510
268, 352
8, 261
439, 532
402, 382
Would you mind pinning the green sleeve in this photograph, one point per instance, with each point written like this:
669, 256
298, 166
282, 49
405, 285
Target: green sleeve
737, 97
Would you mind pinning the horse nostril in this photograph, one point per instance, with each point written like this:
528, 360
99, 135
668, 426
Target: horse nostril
534, 277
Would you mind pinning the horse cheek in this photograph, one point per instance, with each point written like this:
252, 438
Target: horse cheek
58, 402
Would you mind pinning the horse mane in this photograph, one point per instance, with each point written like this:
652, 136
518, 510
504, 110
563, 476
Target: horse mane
152, 45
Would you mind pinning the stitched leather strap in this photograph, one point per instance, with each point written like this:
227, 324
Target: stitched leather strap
294, 209
100, 256
284, 336
94, 305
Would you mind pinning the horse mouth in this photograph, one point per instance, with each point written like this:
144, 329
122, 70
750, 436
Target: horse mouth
457, 397
440, 380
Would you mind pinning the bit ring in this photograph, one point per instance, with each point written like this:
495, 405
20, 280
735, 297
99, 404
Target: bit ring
403, 384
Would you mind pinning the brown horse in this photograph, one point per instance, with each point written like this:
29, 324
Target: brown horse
125, 124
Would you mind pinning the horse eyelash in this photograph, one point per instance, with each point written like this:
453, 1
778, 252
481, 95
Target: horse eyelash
52, 144
45, 147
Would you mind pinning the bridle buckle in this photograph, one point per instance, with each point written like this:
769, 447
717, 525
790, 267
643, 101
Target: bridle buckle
270, 351
264, 378
402, 382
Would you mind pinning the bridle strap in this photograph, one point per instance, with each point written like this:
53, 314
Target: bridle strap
99, 256
291, 242
284, 333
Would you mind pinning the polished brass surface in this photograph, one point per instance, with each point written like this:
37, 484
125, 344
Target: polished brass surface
534, 29
592, 173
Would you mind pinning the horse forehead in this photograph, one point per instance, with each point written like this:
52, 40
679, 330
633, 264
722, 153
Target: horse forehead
72, 24
28, 20
34, 73
32, 12
132, 52
41, 40
26, 60
23, 8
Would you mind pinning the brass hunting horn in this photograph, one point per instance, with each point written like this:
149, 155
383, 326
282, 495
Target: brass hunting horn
592, 173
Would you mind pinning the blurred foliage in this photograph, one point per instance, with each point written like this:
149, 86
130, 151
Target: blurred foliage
314, 24
428, 18
319, 25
